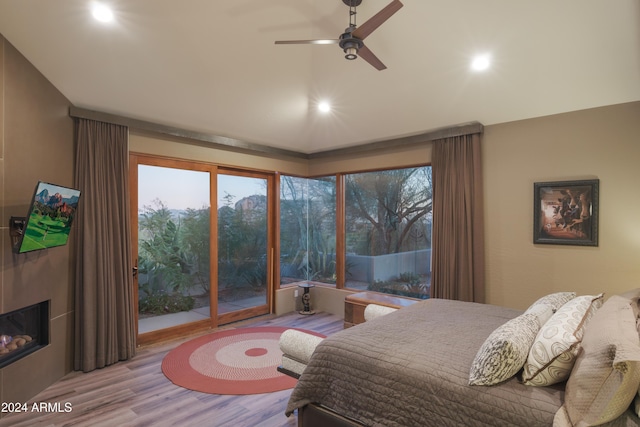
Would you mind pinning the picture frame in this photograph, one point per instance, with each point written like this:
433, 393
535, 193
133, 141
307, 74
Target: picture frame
566, 212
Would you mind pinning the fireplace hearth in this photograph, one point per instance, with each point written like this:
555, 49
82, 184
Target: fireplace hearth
23, 331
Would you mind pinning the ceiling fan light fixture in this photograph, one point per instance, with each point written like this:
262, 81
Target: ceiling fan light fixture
350, 45
351, 53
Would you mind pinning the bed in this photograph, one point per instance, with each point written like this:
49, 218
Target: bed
411, 367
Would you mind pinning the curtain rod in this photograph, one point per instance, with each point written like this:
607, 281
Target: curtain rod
227, 143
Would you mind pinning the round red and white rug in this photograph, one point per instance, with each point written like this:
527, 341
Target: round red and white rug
233, 361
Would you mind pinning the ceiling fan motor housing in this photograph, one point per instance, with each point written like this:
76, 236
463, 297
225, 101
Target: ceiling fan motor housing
349, 44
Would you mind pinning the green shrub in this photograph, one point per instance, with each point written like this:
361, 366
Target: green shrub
163, 303
408, 285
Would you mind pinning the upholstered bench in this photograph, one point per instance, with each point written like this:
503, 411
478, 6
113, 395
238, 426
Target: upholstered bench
297, 346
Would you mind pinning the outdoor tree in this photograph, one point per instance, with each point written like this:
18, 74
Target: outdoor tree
194, 241
390, 206
242, 242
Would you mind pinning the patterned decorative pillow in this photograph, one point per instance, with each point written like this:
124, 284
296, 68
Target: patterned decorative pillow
557, 344
606, 375
554, 301
504, 352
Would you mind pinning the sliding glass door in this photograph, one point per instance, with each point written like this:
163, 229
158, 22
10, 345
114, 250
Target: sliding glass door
195, 270
173, 227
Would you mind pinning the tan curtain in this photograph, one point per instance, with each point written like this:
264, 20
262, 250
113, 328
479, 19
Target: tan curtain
104, 317
458, 236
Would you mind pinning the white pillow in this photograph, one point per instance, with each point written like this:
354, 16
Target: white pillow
556, 345
553, 301
504, 352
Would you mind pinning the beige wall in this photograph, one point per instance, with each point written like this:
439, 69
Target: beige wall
190, 150
602, 143
182, 149
397, 157
36, 143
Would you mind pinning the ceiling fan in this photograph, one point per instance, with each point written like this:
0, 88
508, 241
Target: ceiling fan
352, 40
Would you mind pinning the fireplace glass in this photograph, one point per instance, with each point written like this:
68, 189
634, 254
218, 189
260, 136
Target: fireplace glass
23, 331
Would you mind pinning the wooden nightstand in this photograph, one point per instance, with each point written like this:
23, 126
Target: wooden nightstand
355, 304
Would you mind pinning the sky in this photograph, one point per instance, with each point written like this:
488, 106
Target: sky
67, 193
181, 189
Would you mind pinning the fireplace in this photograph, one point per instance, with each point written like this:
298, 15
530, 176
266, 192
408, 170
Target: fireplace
23, 331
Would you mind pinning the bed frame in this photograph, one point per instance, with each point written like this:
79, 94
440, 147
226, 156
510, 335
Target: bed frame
313, 415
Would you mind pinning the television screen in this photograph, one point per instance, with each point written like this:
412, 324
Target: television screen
48, 222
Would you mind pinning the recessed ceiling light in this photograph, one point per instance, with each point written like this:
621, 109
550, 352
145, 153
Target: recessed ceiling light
102, 12
480, 63
324, 107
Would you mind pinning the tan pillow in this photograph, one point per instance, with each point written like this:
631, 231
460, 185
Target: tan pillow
634, 298
553, 301
606, 375
561, 419
556, 346
504, 351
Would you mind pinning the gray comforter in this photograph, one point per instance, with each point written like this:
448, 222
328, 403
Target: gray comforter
411, 368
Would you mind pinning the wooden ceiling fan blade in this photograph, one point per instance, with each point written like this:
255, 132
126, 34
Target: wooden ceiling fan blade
376, 20
368, 56
318, 41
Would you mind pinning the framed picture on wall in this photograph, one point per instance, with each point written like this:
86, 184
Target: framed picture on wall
566, 212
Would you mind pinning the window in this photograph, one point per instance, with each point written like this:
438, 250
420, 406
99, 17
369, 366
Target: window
307, 229
386, 231
388, 221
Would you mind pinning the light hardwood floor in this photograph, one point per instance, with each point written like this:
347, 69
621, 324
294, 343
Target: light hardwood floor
136, 392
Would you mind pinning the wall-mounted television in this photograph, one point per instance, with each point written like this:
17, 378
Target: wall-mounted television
48, 223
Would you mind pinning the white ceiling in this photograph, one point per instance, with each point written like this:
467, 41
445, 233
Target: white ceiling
212, 66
